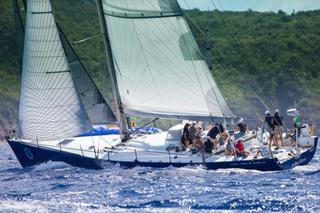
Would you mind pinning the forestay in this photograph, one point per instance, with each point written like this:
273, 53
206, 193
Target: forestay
50, 106
159, 68
96, 106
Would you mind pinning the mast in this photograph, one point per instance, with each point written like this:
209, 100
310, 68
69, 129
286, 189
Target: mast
115, 88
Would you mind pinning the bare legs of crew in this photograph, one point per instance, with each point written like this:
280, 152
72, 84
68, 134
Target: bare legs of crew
277, 136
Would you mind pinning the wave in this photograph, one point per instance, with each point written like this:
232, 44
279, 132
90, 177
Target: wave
307, 169
50, 166
25, 206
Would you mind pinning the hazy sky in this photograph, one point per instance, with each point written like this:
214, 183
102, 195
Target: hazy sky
256, 5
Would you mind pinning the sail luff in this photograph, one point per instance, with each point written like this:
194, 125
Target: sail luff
111, 68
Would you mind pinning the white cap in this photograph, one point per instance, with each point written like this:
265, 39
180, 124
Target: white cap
267, 112
276, 111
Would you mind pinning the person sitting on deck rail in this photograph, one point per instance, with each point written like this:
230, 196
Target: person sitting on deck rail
229, 151
212, 135
222, 136
192, 133
208, 146
198, 145
185, 135
241, 130
225, 135
240, 150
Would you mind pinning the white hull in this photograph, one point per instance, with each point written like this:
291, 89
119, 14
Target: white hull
151, 149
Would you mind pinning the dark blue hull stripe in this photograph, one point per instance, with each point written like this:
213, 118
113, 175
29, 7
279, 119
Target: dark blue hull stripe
29, 155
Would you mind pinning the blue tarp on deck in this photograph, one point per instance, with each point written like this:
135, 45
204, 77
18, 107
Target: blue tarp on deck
101, 131
107, 131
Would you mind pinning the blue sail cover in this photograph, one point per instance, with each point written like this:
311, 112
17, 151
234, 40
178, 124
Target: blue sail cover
110, 131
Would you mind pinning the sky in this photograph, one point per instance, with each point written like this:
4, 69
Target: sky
257, 5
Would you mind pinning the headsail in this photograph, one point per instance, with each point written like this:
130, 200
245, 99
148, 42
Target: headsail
95, 104
50, 106
160, 70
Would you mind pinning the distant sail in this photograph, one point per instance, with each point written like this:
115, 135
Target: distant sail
50, 107
159, 67
95, 104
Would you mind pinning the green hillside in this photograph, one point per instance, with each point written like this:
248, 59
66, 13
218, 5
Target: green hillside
9, 68
258, 59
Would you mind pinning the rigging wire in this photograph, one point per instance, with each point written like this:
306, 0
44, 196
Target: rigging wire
238, 50
208, 72
243, 56
88, 38
204, 35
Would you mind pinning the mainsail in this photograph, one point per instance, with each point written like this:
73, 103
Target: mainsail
159, 68
50, 106
95, 104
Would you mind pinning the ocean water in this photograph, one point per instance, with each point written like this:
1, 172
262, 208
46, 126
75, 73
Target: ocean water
58, 187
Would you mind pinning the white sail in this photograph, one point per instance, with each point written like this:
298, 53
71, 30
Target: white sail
159, 68
95, 104
50, 106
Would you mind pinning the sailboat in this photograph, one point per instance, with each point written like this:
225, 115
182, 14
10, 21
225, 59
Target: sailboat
157, 71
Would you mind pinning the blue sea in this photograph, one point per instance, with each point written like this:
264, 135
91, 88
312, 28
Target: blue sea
58, 187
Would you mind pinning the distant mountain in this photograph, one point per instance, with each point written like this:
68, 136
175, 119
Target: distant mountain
258, 59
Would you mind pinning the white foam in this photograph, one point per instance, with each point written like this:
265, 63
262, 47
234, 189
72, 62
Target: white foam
237, 171
24, 206
307, 168
50, 165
